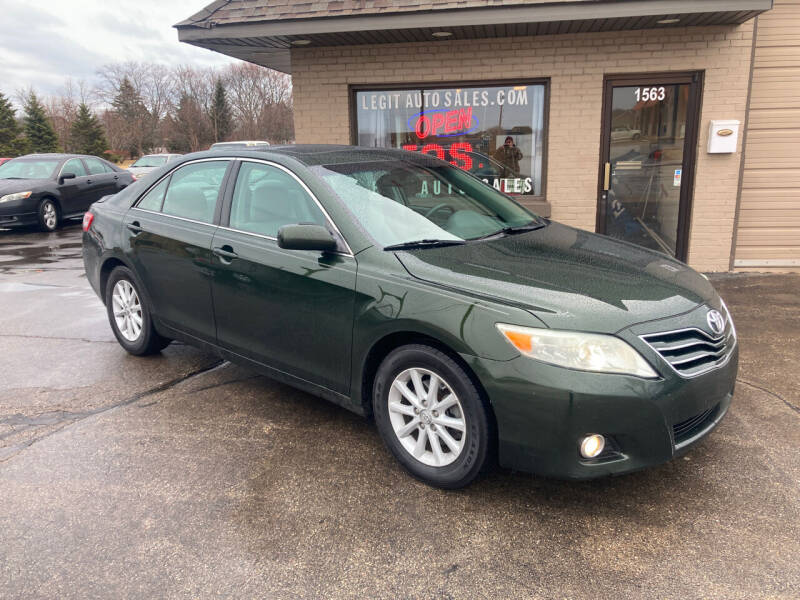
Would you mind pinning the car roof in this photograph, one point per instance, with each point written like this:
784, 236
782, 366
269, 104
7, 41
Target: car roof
311, 155
59, 155
327, 154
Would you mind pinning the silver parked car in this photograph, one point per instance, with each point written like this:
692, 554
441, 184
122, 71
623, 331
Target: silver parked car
150, 162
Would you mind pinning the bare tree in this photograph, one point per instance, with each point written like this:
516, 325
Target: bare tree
253, 93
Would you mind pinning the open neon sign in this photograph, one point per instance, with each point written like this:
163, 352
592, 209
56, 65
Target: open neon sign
443, 122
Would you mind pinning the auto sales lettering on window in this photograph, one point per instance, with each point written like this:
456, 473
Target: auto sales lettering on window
492, 132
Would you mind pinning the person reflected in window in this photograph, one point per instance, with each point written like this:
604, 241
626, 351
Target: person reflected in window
509, 156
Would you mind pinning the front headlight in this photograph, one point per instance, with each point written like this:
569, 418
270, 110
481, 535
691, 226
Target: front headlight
576, 350
17, 196
730, 318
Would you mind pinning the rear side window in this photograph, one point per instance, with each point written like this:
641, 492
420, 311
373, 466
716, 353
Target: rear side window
153, 199
193, 191
95, 166
266, 198
74, 165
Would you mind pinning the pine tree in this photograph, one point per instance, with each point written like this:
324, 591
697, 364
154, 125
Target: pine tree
38, 129
220, 113
11, 143
87, 135
137, 125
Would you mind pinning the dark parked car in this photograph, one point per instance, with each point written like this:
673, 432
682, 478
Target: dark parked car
43, 189
401, 287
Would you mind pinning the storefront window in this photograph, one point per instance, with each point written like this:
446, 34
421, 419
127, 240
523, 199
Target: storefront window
494, 132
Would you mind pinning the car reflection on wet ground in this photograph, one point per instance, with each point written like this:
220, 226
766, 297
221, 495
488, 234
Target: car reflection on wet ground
183, 475
28, 251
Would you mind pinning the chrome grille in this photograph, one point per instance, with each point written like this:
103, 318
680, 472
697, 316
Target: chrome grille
692, 351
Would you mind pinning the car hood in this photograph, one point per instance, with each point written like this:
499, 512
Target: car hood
10, 186
141, 170
569, 278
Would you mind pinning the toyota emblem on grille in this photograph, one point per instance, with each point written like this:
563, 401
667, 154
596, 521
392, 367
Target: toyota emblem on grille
715, 321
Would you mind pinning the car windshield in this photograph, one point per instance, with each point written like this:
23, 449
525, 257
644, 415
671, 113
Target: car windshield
401, 202
29, 168
150, 161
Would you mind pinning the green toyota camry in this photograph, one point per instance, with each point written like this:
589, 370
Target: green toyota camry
402, 288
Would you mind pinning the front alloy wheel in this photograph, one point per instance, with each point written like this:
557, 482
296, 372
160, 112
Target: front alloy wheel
432, 416
427, 417
48, 215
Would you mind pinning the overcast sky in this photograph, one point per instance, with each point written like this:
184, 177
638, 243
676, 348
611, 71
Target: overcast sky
44, 42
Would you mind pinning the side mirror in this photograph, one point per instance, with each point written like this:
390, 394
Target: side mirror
306, 237
65, 176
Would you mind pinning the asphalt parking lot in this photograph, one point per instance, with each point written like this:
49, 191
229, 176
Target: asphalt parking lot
183, 476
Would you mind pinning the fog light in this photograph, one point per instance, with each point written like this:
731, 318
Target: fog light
592, 445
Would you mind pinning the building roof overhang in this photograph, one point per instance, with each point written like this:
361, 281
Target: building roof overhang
260, 38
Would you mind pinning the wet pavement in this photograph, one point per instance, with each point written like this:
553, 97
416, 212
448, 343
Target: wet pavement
183, 476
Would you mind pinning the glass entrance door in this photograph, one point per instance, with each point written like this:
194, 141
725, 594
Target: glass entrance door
649, 138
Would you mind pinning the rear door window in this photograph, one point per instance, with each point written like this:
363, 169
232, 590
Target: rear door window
95, 166
153, 199
193, 190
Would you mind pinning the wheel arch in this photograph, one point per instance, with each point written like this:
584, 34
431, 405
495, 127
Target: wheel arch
108, 264
381, 348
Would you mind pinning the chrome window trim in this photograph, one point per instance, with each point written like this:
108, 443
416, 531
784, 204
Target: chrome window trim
155, 212
274, 239
307, 190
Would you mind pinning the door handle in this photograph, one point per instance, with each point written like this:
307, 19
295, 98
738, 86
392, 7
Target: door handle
135, 227
88, 181
116, 177
225, 253
607, 176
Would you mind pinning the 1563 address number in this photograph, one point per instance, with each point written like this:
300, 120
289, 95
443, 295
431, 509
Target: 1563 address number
650, 93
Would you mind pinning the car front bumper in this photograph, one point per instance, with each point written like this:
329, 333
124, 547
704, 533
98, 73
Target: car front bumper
17, 217
543, 412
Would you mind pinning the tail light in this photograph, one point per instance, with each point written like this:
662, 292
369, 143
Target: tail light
88, 217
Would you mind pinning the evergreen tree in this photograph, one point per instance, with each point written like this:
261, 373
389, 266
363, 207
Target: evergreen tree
136, 123
87, 135
11, 144
189, 128
220, 113
38, 129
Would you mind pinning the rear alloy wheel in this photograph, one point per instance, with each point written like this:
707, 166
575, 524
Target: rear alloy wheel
129, 315
48, 215
431, 416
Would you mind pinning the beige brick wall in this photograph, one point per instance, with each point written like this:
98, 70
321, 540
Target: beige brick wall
575, 65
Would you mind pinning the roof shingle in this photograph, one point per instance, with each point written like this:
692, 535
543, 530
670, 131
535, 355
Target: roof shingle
251, 11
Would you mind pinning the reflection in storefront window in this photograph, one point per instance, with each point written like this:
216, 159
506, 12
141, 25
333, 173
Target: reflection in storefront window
496, 133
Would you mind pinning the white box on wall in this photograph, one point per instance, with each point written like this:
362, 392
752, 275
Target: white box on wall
723, 136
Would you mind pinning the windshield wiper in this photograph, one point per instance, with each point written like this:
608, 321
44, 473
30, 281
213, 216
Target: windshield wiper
533, 226
424, 244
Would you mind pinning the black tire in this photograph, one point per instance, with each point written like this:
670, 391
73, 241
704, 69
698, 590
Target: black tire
48, 215
474, 457
148, 340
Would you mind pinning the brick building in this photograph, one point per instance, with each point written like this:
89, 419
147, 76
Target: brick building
668, 123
